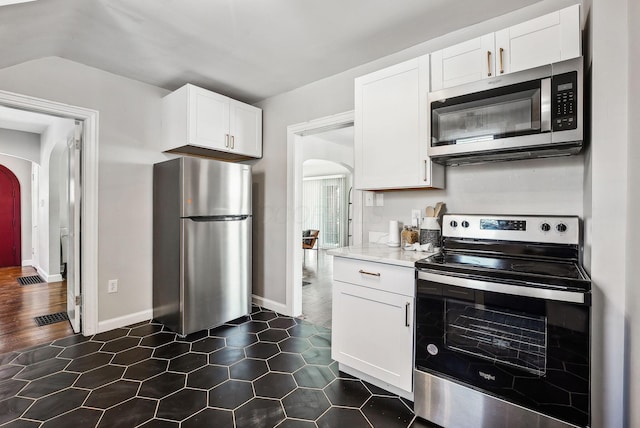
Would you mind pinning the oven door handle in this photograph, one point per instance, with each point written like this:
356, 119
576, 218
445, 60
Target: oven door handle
496, 287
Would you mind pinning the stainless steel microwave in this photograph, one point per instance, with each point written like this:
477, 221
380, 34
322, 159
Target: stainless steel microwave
530, 113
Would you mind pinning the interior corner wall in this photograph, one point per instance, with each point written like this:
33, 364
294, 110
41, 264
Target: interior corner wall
129, 128
611, 185
25, 145
22, 170
633, 235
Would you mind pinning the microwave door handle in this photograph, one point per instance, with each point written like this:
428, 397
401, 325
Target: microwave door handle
545, 105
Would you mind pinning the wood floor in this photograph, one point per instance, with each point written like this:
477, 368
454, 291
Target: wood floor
20, 304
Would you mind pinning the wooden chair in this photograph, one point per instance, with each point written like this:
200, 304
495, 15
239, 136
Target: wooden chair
309, 238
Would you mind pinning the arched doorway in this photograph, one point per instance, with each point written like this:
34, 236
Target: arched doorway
10, 250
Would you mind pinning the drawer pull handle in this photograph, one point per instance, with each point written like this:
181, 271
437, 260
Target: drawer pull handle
364, 272
489, 63
406, 314
501, 64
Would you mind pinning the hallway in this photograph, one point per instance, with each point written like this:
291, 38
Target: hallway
316, 295
21, 304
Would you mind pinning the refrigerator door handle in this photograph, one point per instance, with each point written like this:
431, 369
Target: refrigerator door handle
218, 218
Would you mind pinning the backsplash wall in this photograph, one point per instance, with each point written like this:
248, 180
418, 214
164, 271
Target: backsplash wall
537, 186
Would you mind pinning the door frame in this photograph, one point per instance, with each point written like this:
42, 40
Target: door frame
17, 220
294, 251
89, 194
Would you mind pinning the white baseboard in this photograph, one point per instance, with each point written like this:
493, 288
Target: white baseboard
27, 262
270, 304
124, 320
49, 278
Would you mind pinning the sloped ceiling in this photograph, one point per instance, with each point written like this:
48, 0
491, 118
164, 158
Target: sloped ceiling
247, 49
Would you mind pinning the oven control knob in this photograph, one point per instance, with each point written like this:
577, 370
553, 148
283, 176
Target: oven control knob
545, 227
465, 224
561, 227
453, 223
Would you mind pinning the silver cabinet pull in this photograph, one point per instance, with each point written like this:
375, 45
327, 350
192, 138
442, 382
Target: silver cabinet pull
488, 63
501, 65
364, 272
425, 170
226, 140
233, 141
406, 314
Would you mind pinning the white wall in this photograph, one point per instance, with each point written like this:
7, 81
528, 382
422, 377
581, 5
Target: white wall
25, 145
537, 186
326, 97
22, 170
633, 228
609, 226
52, 142
129, 125
319, 147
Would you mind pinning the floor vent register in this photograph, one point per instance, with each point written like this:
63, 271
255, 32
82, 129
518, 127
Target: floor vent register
51, 319
30, 280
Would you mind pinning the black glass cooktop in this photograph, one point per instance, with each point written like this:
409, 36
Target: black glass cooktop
531, 271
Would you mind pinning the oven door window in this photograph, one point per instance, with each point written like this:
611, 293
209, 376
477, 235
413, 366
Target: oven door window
489, 115
501, 336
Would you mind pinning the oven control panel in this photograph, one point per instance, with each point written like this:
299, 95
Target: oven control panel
550, 229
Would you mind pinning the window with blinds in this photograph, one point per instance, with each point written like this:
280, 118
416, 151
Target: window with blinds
325, 205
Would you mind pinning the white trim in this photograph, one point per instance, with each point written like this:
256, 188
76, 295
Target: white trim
89, 231
375, 381
269, 304
124, 320
294, 195
48, 278
324, 177
27, 263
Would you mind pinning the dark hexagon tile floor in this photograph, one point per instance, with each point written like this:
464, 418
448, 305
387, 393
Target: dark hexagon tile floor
264, 370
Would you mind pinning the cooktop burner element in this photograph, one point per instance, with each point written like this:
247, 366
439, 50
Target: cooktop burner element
524, 250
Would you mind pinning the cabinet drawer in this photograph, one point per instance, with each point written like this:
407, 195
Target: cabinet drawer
379, 276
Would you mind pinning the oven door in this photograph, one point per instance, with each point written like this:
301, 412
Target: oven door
528, 350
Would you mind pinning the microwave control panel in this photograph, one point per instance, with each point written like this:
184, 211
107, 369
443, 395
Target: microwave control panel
565, 101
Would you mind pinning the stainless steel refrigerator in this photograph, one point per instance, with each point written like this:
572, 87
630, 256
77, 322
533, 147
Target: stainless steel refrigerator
201, 243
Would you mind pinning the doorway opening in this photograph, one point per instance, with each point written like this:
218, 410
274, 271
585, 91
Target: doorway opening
64, 156
326, 139
10, 220
326, 190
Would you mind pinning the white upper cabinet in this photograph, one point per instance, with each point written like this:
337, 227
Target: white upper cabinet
544, 40
391, 129
550, 38
201, 122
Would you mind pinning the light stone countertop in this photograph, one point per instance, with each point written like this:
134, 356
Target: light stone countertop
380, 253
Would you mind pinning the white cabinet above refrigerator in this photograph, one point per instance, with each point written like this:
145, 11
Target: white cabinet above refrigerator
200, 122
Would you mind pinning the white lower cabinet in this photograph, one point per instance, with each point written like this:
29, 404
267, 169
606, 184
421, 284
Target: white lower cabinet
373, 328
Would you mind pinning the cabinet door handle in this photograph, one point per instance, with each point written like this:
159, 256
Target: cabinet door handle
233, 141
226, 140
501, 65
489, 63
425, 170
364, 272
406, 314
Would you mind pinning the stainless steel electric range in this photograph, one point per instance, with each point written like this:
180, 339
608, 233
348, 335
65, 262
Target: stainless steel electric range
503, 324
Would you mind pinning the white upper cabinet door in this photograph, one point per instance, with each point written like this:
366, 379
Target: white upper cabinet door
391, 129
245, 129
544, 40
209, 124
465, 62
